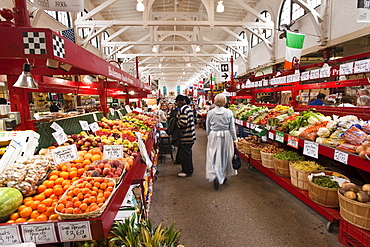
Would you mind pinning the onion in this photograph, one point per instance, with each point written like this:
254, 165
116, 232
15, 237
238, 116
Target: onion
366, 187
366, 144
362, 155
359, 149
368, 137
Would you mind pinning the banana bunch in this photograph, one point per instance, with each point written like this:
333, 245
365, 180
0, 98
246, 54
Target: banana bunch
281, 108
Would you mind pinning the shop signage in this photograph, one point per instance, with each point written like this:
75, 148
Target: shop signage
119, 114
9, 235
271, 135
346, 68
60, 137
279, 137
143, 152
128, 109
74, 231
95, 118
111, 110
325, 72
119, 76
293, 141
56, 127
341, 156
84, 125
60, 5
94, 126
64, 154
113, 151
314, 74
362, 66
305, 76
311, 149
39, 233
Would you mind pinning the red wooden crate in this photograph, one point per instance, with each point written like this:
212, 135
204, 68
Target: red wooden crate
350, 235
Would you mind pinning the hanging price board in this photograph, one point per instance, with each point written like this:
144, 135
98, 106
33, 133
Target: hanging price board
143, 152
119, 114
64, 154
279, 137
111, 110
74, 231
84, 125
39, 233
341, 156
293, 141
311, 149
56, 127
113, 151
271, 135
95, 117
60, 137
9, 235
128, 109
94, 127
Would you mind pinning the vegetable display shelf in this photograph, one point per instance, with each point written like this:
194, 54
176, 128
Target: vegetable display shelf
352, 160
329, 213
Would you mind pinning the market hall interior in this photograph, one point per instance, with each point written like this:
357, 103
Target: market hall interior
248, 210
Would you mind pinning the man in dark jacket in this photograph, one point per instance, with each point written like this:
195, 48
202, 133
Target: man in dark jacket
186, 125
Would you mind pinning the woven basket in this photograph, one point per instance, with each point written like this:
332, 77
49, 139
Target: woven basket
247, 147
267, 160
281, 167
356, 213
241, 145
123, 162
93, 214
299, 178
324, 196
256, 152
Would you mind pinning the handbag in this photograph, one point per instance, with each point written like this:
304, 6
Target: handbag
236, 160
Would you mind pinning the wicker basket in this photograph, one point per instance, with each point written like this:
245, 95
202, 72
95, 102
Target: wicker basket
356, 213
123, 162
93, 214
324, 196
247, 147
267, 160
241, 145
281, 167
299, 178
256, 152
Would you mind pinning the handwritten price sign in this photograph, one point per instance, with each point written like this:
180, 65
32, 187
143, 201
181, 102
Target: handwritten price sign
311, 149
341, 156
113, 151
74, 231
119, 114
64, 154
271, 135
56, 127
84, 125
9, 235
94, 126
279, 137
39, 233
128, 109
60, 137
293, 141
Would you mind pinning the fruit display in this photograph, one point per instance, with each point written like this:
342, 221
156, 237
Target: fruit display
86, 195
10, 199
25, 176
288, 156
106, 168
330, 180
308, 166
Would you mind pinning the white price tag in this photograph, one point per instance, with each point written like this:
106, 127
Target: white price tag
94, 126
341, 156
39, 233
252, 126
56, 127
128, 109
113, 151
111, 110
119, 114
9, 235
279, 137
271, 135
264, 138
64, 154
84, 125
311, 149
74, 231
60, 137
95, 117
143, 152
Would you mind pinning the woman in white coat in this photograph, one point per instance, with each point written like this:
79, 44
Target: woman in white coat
220, 149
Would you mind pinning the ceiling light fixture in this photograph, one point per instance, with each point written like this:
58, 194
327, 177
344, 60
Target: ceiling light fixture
189, 64
220, 7
131, 92
140, 6
25, 80
159, 65
197, 49
154, 49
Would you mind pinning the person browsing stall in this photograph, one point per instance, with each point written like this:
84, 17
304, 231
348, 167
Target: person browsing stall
319, 100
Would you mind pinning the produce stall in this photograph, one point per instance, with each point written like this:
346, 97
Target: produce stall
342, 139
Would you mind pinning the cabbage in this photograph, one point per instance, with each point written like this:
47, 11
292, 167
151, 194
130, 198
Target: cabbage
323, 132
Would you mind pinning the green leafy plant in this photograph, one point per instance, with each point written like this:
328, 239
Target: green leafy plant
143, 234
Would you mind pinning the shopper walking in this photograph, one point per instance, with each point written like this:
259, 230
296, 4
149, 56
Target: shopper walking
186, 125
220, 149
162, 115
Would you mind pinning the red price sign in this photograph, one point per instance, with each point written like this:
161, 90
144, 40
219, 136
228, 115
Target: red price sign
293, 141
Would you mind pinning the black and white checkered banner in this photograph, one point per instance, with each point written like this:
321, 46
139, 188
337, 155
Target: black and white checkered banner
58, 46
34, 43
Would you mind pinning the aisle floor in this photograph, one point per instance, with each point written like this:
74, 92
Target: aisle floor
249, 210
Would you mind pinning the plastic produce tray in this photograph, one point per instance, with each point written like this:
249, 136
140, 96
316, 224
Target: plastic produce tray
350, 235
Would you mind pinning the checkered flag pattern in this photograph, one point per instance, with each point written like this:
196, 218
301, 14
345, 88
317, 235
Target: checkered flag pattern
58, 46
34, 43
